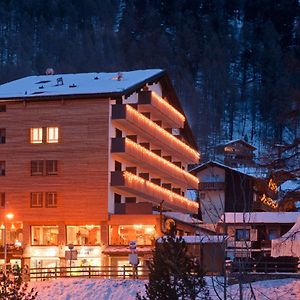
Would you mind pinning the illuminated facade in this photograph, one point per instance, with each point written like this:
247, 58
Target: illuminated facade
91, 160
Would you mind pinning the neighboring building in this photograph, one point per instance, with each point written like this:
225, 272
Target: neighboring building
225, 189
250, 234
289, 195
86, 159
236, 153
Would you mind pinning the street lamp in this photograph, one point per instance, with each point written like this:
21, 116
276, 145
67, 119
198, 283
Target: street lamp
8, 216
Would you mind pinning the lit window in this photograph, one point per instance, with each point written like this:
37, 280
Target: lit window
44, 235
123, 234
37, 167
36, 135
51, 199
52, 134
83, 235
36, 199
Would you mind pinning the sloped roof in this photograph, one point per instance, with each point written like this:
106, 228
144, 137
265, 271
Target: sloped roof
77, 84
260, 217
257, 173
239, 141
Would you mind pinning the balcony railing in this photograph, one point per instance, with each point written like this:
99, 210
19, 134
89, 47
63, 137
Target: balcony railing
129, 119
134, 153
212, 185
160, 108
151, 192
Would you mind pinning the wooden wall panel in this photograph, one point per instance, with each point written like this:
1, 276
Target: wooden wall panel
82, 154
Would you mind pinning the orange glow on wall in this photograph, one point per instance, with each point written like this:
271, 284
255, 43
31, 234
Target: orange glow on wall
153, 159
159, 133
158, 193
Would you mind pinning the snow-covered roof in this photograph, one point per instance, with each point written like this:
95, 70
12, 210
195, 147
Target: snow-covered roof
126, 249
260, 217
290, 185
201, 239
75, 84
249, 171
185, 218
239, 141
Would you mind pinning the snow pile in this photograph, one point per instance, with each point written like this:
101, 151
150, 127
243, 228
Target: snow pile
111, 289
88, 289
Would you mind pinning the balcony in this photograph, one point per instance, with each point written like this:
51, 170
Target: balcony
143, 208
133, 153
151, 192
129, 119
161, 109
212, 185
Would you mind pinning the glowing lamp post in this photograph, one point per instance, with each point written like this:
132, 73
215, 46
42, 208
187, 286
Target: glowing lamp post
8, 216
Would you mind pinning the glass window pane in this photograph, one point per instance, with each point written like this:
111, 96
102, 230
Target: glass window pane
83, 235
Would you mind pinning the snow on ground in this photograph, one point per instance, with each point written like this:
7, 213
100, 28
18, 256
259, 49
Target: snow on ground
111, 289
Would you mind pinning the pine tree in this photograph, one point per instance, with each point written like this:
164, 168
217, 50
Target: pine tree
173, 273
13, 288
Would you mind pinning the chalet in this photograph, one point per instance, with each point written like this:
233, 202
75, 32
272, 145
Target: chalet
251, 234
224, 189
236, 153
90, 160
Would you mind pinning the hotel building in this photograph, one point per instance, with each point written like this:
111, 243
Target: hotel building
92, 160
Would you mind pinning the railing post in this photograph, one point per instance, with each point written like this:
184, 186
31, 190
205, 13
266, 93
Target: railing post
124, 272
89, 271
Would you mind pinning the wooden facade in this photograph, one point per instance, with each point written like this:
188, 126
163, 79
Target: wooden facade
75, 135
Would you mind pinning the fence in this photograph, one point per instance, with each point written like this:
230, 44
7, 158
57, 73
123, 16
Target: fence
118, 272
264, 267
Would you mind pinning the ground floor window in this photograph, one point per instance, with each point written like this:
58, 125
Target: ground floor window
44, 235
83, 235
123, 234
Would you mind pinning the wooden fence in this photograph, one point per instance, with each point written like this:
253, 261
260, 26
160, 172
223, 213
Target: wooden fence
118, 272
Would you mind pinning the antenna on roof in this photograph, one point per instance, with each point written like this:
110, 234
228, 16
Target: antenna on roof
49, 71
120, 76
59, 81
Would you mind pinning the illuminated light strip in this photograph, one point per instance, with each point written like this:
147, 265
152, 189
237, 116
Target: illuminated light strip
140, 184
164, 105
269, 201
153, 158
138, 118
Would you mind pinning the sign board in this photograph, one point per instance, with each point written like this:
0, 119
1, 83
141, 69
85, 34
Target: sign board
133, 259
132, 245
71, 254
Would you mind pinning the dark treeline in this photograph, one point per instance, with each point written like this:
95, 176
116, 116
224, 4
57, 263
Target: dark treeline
235, 64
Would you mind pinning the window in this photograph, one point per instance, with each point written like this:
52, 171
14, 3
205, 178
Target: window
242, 234
2, 168
2, 200
2, 108
52, 135
36, 135
83, 235
44, 235
51, 199
2, 135
36, 199
51, 167
37, 167
123, 234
